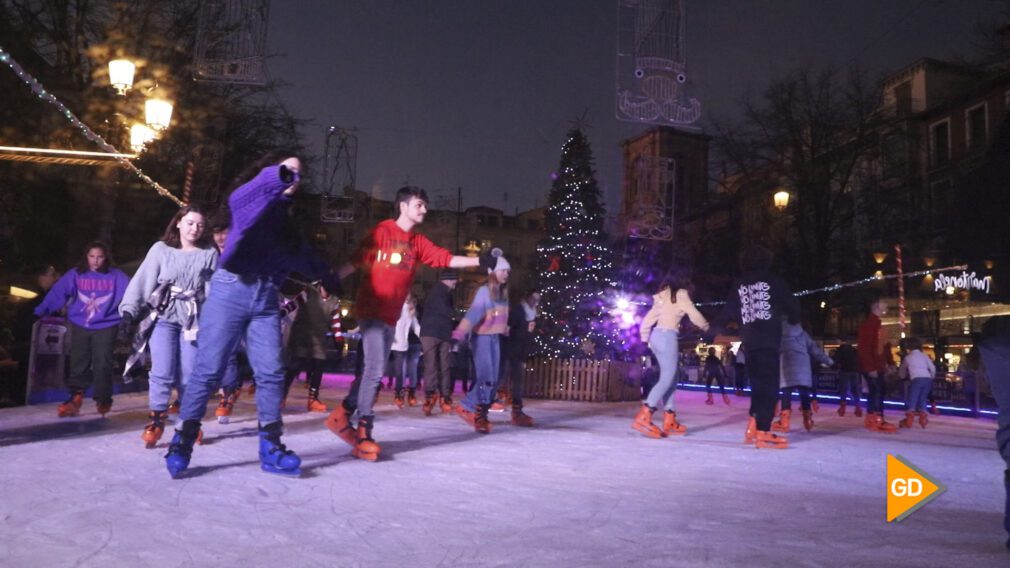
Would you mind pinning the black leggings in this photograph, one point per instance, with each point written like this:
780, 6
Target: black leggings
716, 375
313, 372
806, 395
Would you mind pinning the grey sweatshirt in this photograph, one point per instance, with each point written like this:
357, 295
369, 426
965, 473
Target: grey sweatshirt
185, 270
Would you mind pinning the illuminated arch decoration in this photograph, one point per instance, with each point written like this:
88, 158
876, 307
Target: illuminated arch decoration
651, 65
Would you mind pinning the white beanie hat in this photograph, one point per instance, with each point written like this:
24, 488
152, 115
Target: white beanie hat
502, 264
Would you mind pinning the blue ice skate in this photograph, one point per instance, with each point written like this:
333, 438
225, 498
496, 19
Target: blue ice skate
274, 456
181, 448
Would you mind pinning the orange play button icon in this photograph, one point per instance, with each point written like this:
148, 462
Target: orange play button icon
908, 488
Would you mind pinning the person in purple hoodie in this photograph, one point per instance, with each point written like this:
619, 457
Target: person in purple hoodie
261, 250
94, 289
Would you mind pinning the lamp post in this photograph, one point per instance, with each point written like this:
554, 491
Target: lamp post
781, 199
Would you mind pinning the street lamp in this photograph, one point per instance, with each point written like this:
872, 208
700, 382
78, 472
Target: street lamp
121, 74
140, 135
158, 113
781, 200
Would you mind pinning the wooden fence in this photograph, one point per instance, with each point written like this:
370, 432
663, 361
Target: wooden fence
582, 379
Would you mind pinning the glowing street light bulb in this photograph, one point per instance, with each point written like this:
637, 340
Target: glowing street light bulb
140, 135
121, 74
158, 113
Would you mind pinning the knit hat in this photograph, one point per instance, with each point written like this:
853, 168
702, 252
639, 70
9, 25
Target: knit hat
448, 274
502, 264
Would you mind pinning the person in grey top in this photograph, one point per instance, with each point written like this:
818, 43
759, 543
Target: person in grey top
166, 294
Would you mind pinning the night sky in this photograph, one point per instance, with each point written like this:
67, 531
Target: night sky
479, 93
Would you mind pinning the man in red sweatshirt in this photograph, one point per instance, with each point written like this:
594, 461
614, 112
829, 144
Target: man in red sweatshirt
388, 258
872, 365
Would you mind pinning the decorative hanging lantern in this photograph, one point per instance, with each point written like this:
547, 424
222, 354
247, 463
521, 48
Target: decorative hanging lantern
781, 199
121, 74
158, 113
140, 135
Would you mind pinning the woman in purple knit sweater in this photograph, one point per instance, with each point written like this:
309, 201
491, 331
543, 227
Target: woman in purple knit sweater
243, 303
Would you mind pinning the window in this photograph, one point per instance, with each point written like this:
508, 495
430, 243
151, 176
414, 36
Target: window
903, 98
939, 143
975, 127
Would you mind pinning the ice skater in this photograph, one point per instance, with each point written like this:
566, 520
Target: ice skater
388, 258
306, 345
759, 301
919, 369
796, 373
873, 365
436, 343
713, 370
406, 353
166, 295
659, 331
261, 249
517, 346
995, 351
487, 319
94, 290
850, 382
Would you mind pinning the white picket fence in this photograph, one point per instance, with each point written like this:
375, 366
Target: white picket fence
582, 379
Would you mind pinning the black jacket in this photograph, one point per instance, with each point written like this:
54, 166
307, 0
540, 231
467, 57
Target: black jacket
436, 319
519, 343
759, 301
847, 358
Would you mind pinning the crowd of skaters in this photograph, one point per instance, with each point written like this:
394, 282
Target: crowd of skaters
200, 303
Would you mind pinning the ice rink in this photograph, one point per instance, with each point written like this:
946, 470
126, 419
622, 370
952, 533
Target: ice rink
580, 489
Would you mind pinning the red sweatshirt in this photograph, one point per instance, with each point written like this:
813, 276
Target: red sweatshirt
868, 340
388, 258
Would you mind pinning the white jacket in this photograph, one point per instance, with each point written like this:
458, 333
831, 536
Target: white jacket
407, 321
917, 365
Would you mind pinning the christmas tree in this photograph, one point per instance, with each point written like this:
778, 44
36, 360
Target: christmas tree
573, 265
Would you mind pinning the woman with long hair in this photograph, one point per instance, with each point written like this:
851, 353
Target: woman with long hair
261, 249
167, 291
659, 331
487, 319
94, 289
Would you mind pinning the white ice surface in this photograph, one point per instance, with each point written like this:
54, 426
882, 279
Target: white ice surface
580, 489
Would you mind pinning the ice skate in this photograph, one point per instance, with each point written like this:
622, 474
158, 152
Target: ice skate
708, 399
313, 404
180, 450
767, 440
782, 424
72, 407
411, 397
481, 424
725, 399
933, 409
808, 420
750, 434
520, 418
225, 406
884, 425
815, 406
398, 399
365, 447
339, 423
103, 407
923, 419
643, 423
670, 425
908, 421
430, 400
446, 405
859, 412
841, 408
274, 456
465, 414
154, 429
174, 407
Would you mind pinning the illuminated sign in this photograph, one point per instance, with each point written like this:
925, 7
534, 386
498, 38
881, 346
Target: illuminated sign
964, 281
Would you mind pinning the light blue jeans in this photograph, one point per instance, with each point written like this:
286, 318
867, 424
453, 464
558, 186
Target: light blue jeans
171, 363
918, 392
376, 341
238, 306
486, 361
664, 345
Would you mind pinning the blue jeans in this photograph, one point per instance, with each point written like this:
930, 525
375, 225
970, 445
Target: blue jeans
849, 382
376, 341
875, 393
171, 363
918, 391
405, 366
995, 352
486, 361
237, 307
664, 345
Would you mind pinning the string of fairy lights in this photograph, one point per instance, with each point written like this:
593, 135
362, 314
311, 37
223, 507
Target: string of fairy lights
43, 94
